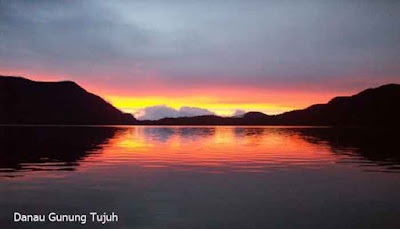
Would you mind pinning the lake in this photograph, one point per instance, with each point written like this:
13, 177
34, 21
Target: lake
202, 177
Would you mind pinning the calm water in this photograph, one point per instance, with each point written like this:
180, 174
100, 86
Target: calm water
202, 177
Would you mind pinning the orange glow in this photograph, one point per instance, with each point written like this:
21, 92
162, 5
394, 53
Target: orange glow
223, 101
214, 148
209, 149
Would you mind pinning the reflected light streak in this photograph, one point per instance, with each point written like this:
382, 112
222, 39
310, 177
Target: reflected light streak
214, 147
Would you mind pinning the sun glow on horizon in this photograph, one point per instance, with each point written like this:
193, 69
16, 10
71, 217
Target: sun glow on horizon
217, 105
223, 101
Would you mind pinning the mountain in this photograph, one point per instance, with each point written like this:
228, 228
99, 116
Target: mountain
23, 101
250, 118
370, 107
254, 115
196, 120
376, 106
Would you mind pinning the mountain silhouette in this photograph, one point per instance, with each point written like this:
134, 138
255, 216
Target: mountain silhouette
377, 106
23, 101
370, 107
255, 115
196, 120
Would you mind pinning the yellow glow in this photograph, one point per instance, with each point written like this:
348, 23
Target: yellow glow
214, 104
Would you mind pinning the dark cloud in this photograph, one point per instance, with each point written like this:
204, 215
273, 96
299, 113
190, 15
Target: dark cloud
193, 43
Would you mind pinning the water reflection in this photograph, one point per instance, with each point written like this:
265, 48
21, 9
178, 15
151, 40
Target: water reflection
202, 177
202, 149
49, 148
214, 149
363, 146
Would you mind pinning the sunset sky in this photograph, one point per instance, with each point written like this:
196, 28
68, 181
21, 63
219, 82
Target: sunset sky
151, 58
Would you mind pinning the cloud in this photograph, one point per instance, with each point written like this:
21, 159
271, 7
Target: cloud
193, 111
162, 111
239, 113
158, 112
